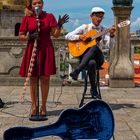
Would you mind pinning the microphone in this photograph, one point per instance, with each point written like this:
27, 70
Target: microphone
37, 11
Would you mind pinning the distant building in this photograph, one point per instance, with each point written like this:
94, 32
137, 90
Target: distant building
133, 34
138, 33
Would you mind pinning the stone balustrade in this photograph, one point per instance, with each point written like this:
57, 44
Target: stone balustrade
11, 53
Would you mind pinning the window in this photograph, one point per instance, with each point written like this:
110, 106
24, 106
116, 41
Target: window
17, 26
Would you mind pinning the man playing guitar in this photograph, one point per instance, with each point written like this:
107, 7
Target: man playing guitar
92, 57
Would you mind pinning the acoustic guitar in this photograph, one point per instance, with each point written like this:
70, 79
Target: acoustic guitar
77, 48
92, 121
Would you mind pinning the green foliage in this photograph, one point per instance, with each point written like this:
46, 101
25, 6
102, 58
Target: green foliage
136, 49
63, 64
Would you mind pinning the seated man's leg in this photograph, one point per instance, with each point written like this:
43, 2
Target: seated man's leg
92, 77
85, 58
93, 64
99, 58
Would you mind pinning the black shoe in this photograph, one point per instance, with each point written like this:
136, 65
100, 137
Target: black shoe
95, 94
1, 103
74, 75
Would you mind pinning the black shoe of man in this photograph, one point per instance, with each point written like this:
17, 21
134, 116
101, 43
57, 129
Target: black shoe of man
74, 75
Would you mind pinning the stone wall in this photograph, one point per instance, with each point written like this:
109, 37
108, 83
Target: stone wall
9, 19
11, 52
12, 3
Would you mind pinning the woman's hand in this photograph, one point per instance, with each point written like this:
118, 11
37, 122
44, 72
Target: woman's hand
56, 31
33, 35
63, 20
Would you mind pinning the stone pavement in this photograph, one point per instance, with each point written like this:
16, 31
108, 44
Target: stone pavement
125, 103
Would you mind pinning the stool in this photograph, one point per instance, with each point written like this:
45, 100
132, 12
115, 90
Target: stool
74, 62
97, 82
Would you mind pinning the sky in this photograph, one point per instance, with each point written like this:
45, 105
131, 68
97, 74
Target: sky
79, 12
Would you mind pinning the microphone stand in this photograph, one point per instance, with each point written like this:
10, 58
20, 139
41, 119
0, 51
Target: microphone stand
37, 117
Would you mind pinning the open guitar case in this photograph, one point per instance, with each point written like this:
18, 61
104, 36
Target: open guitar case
94, 120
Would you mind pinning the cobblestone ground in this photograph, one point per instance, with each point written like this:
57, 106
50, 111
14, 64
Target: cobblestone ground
125, 104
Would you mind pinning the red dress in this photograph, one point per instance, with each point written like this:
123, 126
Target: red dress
46, 57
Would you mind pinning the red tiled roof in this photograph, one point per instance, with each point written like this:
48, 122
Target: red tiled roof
136, 56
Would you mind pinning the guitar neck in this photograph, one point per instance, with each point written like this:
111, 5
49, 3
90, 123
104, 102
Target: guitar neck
50, 130
100, 34
22, 133
120, 25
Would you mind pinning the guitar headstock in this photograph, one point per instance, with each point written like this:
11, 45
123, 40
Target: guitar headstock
124, 23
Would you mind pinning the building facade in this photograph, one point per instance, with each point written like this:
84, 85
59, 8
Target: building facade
11, 12
11, 49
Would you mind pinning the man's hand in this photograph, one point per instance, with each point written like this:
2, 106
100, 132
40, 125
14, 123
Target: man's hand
62, 20
112, 31
33, 35
85, 38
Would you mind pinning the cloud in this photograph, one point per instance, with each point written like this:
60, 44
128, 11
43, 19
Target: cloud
136, 23
79, 11
75, 22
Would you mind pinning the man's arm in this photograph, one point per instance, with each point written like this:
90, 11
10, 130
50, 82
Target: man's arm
75, 35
